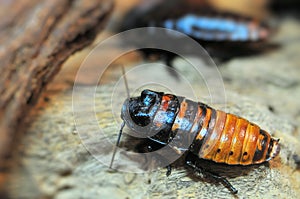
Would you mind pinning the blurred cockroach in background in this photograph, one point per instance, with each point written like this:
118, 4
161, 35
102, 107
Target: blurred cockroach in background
224, 35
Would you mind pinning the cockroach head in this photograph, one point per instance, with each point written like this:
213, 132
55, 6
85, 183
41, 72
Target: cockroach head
141, 110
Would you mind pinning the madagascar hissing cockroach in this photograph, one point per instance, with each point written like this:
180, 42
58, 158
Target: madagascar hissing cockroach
205, 132
222, 34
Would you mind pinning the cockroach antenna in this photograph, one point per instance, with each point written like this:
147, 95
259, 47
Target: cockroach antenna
117, 144
123, 123
125, 81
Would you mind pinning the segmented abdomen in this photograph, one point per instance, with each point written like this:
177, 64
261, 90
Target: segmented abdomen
224, 137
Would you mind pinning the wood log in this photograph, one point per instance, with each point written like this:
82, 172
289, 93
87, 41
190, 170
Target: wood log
36, 37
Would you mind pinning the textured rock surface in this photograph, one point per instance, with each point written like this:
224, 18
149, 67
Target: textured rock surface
51, 161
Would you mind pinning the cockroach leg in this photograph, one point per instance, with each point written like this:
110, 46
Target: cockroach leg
223, 180
169, 170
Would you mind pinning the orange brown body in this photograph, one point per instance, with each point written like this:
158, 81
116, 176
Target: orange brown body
208, 133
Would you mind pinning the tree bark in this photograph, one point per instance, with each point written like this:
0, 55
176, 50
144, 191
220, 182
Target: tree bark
36, 37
